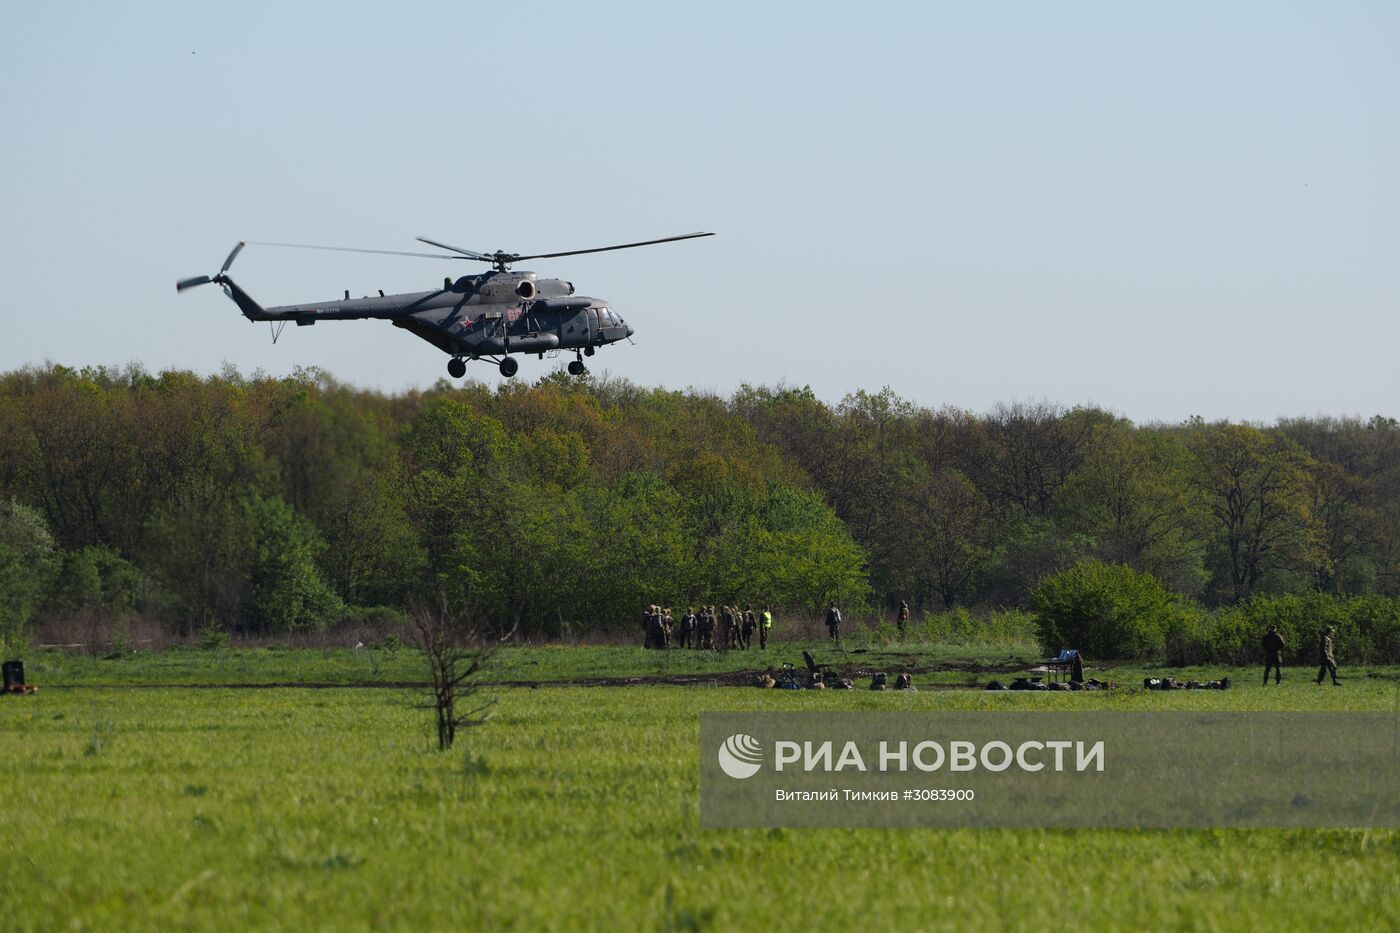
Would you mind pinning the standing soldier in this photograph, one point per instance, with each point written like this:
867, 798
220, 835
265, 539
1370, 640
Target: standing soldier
655, 636
833, 622
902, 622
746, 633
1273, 656
666, 625
765, 627
707, 627
647, 631
687, 627
1329, 663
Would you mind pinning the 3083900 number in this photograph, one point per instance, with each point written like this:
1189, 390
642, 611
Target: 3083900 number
943, 794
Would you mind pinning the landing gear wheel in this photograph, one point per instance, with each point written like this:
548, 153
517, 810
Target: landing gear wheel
576, 368
456, 368
587, 351
509, 367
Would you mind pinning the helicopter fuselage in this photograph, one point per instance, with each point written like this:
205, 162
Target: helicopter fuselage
493, 314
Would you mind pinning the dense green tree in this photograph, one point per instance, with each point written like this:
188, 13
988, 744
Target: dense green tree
805, 556
373, 555
1255, 487
950, 535
640, 551
95, 579
1133, 498
27, 561
287, 591
1341, 523
568, 504
1033, 449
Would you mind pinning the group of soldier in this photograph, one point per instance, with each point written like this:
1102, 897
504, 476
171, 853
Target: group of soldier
728, 628
1273, 657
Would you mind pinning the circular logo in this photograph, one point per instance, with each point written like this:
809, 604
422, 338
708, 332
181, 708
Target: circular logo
741, 756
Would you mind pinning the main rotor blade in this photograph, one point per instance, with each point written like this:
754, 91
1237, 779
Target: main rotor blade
350, 249
468, 253
231, 256
604, 249
191, 283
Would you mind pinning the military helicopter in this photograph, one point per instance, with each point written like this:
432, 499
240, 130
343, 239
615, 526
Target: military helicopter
487, 316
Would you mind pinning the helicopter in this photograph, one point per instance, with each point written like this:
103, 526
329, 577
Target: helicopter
488, 316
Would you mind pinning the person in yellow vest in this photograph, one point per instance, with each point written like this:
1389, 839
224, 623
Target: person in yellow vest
765, 627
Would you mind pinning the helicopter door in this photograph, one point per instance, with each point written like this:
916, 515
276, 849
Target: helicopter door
594, 332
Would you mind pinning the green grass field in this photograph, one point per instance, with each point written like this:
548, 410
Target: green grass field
399, 665
574, 808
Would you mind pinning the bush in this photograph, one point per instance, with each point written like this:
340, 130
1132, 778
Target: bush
1106, 611
1378, 618
1197, 636
96, 579
1367, 630
378, 619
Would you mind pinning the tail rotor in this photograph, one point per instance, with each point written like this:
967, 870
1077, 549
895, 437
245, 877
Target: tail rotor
183, 284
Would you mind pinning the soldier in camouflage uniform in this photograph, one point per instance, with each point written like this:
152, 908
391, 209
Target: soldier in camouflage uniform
656, 637
747, 627
1273, 656
1328, 662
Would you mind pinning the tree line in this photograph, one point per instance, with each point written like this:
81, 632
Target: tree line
263, 505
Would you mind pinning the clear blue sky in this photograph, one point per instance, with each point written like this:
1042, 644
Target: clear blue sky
1168, 209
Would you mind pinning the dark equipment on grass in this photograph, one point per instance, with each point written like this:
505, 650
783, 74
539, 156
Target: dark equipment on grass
488, 316
1171, 683
828, 676
14, 678
813, 667
1036, 683
1067, 665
